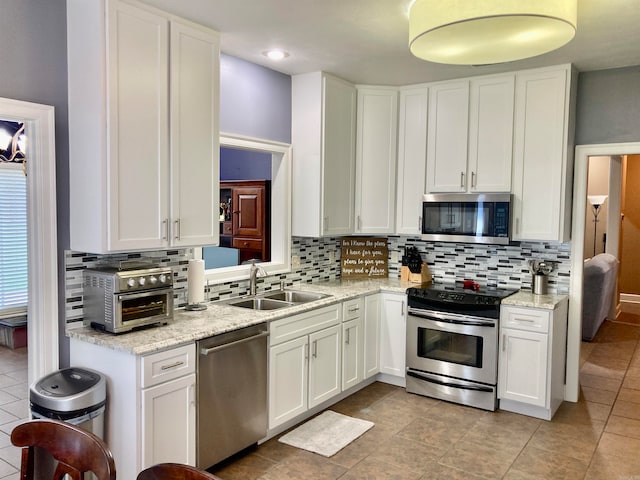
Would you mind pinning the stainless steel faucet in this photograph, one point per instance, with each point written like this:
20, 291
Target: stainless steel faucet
254, 272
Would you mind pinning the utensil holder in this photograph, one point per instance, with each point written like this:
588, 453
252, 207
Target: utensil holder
540, 284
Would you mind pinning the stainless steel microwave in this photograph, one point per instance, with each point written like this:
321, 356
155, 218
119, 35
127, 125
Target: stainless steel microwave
467, 218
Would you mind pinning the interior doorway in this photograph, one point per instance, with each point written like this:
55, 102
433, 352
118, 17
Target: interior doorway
574, 331
42, 331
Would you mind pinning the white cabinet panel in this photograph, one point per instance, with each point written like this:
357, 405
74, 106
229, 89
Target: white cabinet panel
523, 377
352, 353
325, 354
372, 312
412, 159
542, 155
288, 379
376, 140
393, 327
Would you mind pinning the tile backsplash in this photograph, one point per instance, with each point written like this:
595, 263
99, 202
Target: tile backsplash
491, 265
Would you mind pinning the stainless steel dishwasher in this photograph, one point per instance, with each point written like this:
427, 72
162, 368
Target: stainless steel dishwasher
232, 393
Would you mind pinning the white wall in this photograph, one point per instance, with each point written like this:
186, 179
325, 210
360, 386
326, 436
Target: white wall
598, 184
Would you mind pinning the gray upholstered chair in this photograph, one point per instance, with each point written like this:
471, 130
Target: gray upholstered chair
599, 283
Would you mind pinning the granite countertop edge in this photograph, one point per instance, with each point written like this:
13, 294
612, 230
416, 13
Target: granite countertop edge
525, 298
190, 326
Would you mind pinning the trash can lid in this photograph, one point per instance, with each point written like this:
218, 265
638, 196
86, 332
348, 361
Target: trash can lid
69, 389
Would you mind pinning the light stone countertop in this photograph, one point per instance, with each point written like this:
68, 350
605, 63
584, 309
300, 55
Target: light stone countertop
525, 298
189, 326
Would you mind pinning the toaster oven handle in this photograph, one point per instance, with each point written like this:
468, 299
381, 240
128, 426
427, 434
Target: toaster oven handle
147, 293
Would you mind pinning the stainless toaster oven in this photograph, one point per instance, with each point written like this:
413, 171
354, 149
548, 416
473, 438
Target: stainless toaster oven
119, 300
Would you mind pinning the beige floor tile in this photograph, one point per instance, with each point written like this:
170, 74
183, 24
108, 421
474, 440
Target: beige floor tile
510, 420
604, 467
482, 459
575, 441
534, 463
397, 408
622, 350
248, 467
602, 383
443, 472
364, 398
632, 383
405, 453
605, 367
11, 455
304, 465
276, 451
599, 396
380, 434
625, 427
626, 409
629, 395
624, 448
439, 434
374, 469
582, 413
501, 436
585, 350
6, 470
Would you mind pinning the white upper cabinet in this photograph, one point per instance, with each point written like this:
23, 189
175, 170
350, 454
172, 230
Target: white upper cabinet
323, 135
447, 137
143, 128
412, 159
470, 134
376, 140
543, 154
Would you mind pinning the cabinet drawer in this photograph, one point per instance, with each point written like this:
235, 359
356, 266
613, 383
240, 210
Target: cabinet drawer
530, 319
226, 228
163, 366
352, 309
249, 243
303, 324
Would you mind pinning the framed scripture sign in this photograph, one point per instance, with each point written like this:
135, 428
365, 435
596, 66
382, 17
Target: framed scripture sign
364, 257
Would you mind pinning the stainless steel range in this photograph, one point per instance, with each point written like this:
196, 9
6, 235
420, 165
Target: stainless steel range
452, 343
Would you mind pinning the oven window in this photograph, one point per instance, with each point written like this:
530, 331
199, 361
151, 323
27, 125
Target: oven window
144, 307
450, 347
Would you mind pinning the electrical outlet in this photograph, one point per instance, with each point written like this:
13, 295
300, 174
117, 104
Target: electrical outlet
394, 257
332, 256
295, 261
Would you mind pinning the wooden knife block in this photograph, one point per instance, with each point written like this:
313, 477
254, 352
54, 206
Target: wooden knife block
423, 277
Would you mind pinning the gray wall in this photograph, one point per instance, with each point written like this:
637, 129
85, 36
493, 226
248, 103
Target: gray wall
33, 35
608, 106
254, 101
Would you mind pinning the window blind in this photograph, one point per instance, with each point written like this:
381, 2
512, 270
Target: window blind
14, 292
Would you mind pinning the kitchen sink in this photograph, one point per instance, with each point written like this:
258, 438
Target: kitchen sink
257, 303
294, 296
275, 300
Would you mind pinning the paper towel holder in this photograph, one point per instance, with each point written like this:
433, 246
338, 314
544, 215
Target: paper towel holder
196, 307
195, 285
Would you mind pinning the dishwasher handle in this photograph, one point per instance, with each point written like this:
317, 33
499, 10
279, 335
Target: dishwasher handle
207, 351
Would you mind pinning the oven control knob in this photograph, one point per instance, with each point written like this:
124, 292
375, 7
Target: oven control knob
153, 280
142, 281
162, 278
131, 282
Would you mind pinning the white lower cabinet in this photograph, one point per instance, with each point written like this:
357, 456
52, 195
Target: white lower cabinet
352, 343
531, 361
371, 335
151, 404
393, 327
304, 362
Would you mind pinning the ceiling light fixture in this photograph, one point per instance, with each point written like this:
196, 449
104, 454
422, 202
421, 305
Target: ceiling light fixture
276, 54
473, 32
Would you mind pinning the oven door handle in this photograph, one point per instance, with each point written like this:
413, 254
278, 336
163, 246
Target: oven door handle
451, 318
146, 293
476, 388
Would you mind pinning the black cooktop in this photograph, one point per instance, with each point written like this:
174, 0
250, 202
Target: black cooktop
480, 300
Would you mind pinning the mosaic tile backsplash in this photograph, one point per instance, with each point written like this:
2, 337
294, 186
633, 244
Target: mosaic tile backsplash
490, 265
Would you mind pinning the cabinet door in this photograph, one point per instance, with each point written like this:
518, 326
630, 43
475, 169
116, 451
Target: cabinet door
169, 428
376, 138
138, 157
412, 160
522, 367
447, 137
324, 365
540, 163
287, 380
338, 172
195, 148
248, 211
491, 134
393, 340
352, 353
371, 335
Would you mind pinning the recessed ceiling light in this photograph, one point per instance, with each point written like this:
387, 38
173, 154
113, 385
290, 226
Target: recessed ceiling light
276, 54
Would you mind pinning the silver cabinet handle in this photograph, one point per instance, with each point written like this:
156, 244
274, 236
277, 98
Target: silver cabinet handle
172, 365
419, 223
353, 309
165, 229
306, 351
462, 179
504, 341
473, 179
517, 225
348, 339
359, 223
176, 224
402, 308
314, 354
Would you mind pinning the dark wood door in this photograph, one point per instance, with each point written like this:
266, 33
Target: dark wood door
248, 211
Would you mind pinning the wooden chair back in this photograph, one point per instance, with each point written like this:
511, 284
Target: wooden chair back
174, 471
76, 450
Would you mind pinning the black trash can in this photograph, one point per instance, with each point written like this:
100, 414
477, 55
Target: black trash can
74, 395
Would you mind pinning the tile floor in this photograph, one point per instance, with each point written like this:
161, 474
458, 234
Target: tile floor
14, 406
418, 438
